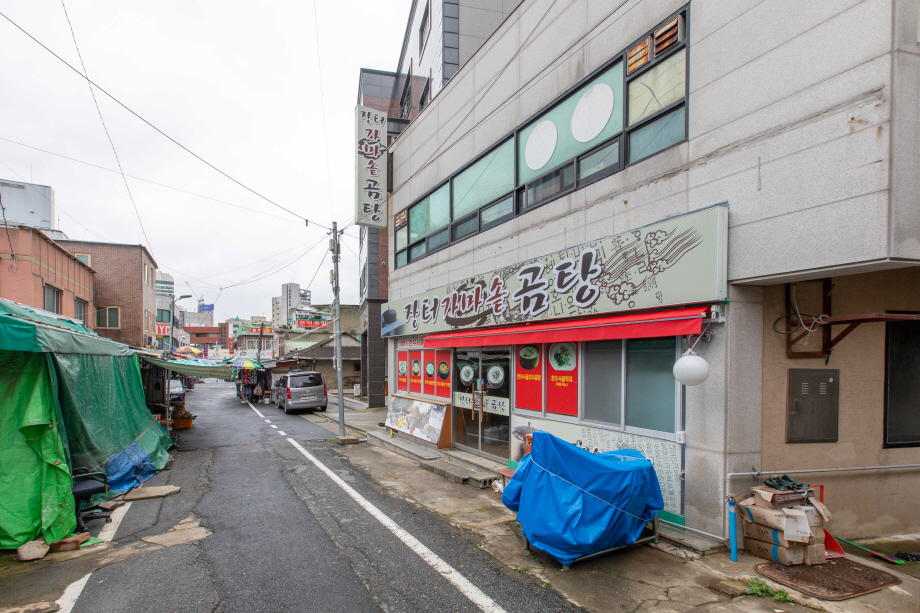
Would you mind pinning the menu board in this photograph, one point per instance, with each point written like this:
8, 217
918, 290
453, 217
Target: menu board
415, 372
528, 378
417, 418
429, 372
442, 373
562, 379
402, 371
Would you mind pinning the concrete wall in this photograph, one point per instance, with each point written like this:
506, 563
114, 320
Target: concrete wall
863, 504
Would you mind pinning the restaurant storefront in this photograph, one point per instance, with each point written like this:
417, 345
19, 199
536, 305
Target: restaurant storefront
580, 343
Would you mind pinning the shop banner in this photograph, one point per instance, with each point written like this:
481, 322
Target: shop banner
562, 379
402, 371
370, 167
664, 455
312, 323
429, 373
528, 379
417, 418
442, 366
415, 372
681, 260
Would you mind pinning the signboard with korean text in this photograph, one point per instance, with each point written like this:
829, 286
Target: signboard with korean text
490, 404
256, 330
402, 371
163, 329
370, 167
677, 261
415, 372
205, 307
429, 373
528, 377
562, 378
442, 372
312, 323
664, 455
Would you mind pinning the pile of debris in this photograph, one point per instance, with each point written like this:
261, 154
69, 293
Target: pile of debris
785, 523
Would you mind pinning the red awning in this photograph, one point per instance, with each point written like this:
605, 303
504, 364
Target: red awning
648, 324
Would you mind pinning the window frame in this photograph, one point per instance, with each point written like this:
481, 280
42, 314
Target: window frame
885, 443
107, 326
88, 256
58, 294
520, 206
76, 301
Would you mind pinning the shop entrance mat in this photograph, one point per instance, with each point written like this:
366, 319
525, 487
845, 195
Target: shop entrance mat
834, 580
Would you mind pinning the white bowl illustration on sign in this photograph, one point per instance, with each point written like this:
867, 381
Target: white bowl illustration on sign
540, 145
592, 112
495, 375
466, 374
562, 356
402, 368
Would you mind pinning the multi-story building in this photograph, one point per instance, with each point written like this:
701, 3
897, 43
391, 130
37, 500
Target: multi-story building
202, 336
163, 328
285, 306
603, 185
226, 339
37, 271
27, 204
126, 303
277, 319
165, 284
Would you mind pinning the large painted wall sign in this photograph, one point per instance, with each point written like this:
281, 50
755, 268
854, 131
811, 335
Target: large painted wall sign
677, 261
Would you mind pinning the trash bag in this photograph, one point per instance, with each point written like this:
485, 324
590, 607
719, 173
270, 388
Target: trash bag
572, 503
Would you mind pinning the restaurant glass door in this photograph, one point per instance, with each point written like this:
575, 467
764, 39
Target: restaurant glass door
482, 401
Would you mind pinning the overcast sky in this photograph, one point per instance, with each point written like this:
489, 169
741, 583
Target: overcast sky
236, 82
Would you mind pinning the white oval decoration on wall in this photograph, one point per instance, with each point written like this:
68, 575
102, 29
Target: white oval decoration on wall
540, 145
592, 112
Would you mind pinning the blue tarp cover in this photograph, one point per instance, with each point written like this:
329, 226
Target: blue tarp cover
572, 503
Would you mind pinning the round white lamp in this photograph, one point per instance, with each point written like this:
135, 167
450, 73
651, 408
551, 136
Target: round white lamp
690, 369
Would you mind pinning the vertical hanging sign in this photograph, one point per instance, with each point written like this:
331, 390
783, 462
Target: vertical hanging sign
370, 167
562, 379
529, 377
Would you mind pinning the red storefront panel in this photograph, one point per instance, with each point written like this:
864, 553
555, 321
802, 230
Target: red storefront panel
442, 372
429, 372
528, 380
415, 372
562, 378
402, 371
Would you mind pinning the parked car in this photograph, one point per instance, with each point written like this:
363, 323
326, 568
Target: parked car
176, 391
300, 390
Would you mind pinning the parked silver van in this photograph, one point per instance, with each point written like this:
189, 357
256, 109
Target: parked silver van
300, 390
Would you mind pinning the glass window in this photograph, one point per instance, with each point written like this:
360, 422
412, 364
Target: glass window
79, 307
417, 251
113, 317
651, 401
658, 135
465, 227
83, 257
402, 238
52, 300
549, 186
498, 211
585, 119
485, 180
432, 213
599, 161
603, 381
902, 383
661, 85
100, 318
436, 241
401, 259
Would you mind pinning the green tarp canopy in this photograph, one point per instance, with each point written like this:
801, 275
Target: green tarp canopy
193, 369
70, 399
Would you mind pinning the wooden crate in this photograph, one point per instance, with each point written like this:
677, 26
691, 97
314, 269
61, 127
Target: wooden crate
181, 424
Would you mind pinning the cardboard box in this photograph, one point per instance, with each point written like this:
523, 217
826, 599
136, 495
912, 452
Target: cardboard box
777, 537
793, 523
815, 554
770, 498
787, 556
815, 519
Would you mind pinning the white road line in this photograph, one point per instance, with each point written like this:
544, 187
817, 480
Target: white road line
275, 427
69, 598
268, 422
476, 596
108, 531
255, 409
282, 433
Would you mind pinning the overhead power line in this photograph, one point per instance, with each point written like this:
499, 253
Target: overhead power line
164, 134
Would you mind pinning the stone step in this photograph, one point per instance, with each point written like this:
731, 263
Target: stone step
470, 461
403, 447
459, 474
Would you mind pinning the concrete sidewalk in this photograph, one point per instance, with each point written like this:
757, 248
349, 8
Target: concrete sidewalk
659, 579
357, 423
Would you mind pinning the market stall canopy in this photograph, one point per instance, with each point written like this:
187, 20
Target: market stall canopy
193, 368
190, 350
649, 324
35, 331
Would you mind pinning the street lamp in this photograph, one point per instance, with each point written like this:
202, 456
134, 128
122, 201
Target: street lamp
172, 318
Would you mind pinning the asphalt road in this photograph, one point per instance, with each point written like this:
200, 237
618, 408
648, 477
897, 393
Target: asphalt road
287, 537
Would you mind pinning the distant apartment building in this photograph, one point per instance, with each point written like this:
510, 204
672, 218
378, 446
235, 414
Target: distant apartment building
27, 204
37, 271
125, 291
285, 305
196, 318
165, 284
276, 311
203, 335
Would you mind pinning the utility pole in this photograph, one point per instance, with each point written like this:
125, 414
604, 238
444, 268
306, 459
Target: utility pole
337, 331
